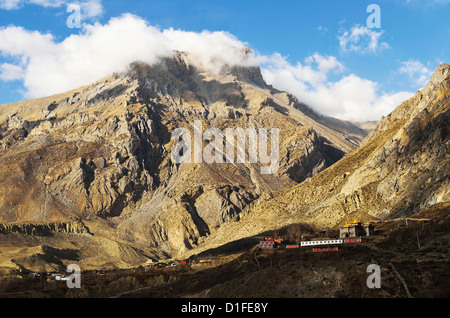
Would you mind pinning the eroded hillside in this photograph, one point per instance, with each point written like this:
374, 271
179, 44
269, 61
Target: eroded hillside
402, 167
100, 156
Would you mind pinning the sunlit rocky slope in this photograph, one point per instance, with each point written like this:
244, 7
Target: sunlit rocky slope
89, 172
402, 167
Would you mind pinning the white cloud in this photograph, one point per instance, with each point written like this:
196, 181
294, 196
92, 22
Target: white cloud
16, 41
100, 50
9, 4
428, 2
48, 3
80, 58
350, 97
325, 64
211, 49
48, 67
10, 72
89, 8
362, 40
312, 73
416, 72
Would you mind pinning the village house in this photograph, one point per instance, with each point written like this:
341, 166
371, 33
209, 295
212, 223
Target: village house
356, 229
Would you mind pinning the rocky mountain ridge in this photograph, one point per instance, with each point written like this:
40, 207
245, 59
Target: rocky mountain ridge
401, 167
101, 154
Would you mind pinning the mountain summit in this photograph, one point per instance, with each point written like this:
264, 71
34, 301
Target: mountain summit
97, 160
92, 170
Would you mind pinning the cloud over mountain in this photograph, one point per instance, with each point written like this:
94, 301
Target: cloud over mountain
48, 66
51, 67
350, 97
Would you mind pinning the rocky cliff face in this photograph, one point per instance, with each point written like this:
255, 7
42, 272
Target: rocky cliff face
102, 153
44, 229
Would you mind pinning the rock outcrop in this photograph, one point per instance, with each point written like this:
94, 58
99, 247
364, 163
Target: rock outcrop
44, 229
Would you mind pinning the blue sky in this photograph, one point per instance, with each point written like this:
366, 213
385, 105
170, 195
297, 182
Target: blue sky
322, 51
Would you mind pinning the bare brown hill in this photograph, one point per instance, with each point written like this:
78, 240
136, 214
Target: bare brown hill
100, 156
402, 167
